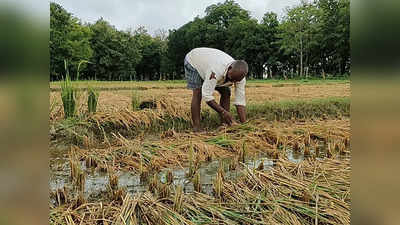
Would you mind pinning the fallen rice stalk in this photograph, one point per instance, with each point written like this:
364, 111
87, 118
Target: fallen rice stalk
259, 197
289, 193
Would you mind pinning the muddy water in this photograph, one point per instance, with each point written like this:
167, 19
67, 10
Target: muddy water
97, 182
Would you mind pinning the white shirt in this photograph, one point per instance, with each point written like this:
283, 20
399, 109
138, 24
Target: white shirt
209, 61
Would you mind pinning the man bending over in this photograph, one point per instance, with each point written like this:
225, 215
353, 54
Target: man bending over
209, 69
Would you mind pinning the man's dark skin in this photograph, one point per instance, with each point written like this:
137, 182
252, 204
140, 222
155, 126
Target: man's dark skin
223, 108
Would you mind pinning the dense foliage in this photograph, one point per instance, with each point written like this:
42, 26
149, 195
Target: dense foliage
310, 40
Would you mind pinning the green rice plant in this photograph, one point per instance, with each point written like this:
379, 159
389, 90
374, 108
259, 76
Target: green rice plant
135, 100
79, 66
68, 94
93, 96
69, 91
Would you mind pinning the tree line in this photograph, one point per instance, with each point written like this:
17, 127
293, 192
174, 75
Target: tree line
312, 39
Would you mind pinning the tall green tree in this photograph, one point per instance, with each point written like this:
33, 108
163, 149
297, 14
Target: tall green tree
60, 26
312, 38
271, 54
69, 40
298, 33
116, 53
246, 41
211, 31
178, 46
222, 14
151, 51
334, 34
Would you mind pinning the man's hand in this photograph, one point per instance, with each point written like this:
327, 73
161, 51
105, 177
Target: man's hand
227, 117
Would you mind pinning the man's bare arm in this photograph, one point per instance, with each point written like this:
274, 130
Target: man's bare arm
241, 111
219, 109
214, 105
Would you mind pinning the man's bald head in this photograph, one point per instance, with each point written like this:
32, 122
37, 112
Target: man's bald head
238, 70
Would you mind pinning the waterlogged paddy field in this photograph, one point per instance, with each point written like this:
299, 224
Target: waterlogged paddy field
287, 170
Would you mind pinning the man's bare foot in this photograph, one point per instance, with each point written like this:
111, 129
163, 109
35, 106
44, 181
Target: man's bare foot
196, 129
222, 127
224, 124
234, 123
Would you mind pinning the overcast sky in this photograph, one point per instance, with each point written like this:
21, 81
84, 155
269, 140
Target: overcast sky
159, 14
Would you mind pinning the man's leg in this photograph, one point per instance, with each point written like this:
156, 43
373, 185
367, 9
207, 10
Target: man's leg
194, 82
225, 100
195, 108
